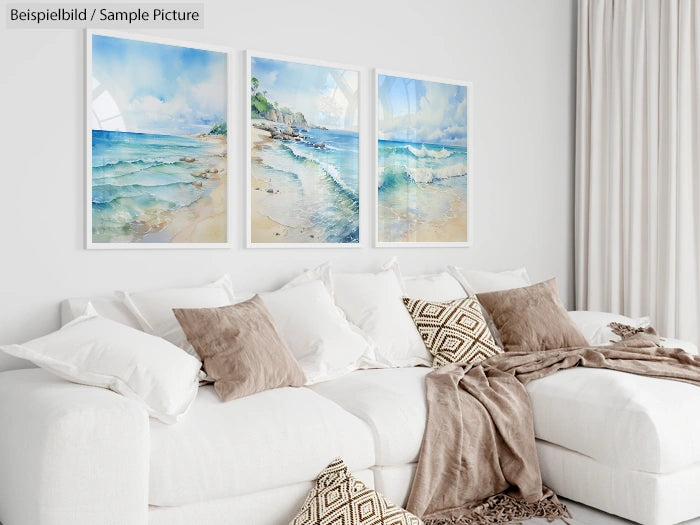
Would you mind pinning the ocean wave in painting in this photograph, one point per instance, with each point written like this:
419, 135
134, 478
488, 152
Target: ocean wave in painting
419, 186
313, 191
137, 178
424, 151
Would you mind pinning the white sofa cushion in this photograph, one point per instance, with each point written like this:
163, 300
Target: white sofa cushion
263, 441
395, 481
265, 507
650, 499
391, 402
622, 420
372, 301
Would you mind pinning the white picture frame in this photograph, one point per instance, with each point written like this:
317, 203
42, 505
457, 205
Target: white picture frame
406, 162
175, 222
262, 226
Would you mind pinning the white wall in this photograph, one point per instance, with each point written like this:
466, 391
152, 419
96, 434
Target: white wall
520, 55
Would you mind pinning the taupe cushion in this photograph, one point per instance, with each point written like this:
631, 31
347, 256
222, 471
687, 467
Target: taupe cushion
532, 318
240, 348
338, 498
453, 331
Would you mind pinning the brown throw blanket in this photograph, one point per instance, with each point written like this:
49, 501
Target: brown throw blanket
478, 463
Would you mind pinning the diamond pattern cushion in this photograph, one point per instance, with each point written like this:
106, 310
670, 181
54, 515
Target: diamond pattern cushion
453, 331
340, 499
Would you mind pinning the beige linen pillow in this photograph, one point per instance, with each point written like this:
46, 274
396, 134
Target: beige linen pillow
240, 348
339, 498
532, 318
453, 331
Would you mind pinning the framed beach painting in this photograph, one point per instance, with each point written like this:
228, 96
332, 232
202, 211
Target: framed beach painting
157, 145
425, 159
303, 144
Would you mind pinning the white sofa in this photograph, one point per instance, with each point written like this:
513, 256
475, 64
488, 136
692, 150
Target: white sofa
75, 455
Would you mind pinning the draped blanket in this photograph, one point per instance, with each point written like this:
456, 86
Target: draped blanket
478, 463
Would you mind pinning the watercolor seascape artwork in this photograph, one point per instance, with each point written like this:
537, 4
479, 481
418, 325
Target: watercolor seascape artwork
423, 161
158, 137
304, 154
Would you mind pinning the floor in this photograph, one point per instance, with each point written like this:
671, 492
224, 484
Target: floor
583, 515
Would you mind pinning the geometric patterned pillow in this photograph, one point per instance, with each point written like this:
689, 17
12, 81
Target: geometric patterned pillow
339, 499
454, 331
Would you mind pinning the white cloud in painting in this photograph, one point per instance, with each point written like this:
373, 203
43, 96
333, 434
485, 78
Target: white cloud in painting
420, 111
162, 89
267, 78
193, 108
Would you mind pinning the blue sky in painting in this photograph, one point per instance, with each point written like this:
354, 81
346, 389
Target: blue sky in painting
326, 96
160, 88
420, 111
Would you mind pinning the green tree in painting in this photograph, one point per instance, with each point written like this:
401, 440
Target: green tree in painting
259, 104
262, 107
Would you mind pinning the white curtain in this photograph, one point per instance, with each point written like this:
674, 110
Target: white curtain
638, 161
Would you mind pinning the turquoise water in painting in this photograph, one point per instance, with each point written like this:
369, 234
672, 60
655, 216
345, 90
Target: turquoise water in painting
419, 184
320, 186
137, 178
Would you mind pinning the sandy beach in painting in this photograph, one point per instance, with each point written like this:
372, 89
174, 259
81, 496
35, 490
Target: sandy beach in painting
264, 228
205, 221
450, 228
159, 189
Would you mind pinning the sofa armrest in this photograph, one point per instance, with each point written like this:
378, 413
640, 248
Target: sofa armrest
668, 342
594, 326
70, 454
9, 362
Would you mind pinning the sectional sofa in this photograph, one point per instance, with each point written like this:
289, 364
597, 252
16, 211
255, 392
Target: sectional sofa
72, 454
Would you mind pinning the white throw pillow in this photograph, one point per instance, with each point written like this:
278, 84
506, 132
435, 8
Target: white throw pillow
316, 331
433, 287
108, 307
475, 281
594, 325
373, 302
95, 351
154, 310
321, 272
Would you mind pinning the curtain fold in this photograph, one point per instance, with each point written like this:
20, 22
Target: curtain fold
637, 205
